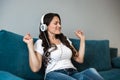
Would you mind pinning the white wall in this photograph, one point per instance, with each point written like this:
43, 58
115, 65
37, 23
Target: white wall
99, 19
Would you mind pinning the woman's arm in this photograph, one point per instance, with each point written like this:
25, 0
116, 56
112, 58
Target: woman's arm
35, 59
81, 52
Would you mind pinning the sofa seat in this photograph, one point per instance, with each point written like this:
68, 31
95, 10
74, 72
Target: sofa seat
4, 75
112, 74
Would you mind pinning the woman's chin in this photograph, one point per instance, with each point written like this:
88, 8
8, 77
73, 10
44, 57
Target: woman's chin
59, 33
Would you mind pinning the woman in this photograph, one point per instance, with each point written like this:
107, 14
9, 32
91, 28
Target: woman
55, 50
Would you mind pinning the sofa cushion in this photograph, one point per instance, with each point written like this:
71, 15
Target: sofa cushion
116, 62
112, 74
97, 54
8, 76
14, 56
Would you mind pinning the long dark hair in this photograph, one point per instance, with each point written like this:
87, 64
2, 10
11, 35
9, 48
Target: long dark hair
47, 19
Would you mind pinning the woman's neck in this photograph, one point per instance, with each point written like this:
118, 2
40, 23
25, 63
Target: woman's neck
51, 36
53, 39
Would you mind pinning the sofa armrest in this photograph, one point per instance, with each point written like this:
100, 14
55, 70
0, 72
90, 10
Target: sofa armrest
113, 52
116, 62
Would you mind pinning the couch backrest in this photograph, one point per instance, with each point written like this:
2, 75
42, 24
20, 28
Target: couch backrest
97, 54
14, 56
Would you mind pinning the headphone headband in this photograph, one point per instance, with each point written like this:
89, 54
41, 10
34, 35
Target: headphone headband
42, 19
43, 26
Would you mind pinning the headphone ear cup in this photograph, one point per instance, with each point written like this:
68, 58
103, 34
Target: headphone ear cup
43, 27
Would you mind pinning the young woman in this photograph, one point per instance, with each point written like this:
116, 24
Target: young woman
55, 50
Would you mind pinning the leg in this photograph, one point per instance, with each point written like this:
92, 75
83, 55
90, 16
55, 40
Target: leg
88, 74
58, 76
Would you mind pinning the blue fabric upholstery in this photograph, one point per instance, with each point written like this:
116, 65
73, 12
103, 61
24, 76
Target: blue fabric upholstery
112, 74
14, 62
97, 54
14, 56
8, 76
116, 62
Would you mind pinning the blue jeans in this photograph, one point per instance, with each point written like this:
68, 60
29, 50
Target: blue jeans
72, 74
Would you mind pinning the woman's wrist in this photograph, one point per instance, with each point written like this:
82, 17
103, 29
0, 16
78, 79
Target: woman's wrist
30, 45
82, 39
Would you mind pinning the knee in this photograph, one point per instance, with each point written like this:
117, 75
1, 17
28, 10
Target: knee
92, 70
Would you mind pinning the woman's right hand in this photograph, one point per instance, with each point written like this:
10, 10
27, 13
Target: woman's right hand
28, 39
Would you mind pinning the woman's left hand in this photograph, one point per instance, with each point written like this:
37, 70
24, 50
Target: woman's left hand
80, 35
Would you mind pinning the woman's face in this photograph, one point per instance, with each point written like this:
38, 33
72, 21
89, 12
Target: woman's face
55, 26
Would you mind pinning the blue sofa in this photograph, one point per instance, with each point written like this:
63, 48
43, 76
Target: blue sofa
14, 64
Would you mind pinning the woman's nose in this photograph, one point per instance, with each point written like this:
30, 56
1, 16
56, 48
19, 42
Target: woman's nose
59, 25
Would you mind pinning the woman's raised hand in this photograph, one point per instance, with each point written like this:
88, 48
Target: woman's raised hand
80, 34
28, 39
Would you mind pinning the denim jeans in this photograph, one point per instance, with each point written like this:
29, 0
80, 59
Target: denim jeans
72, 74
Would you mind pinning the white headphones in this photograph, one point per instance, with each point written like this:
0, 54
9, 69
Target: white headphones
43, 26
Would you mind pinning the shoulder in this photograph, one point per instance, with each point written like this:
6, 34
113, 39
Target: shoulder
38, 46
39, 41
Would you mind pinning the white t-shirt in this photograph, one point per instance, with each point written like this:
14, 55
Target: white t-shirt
60, 58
